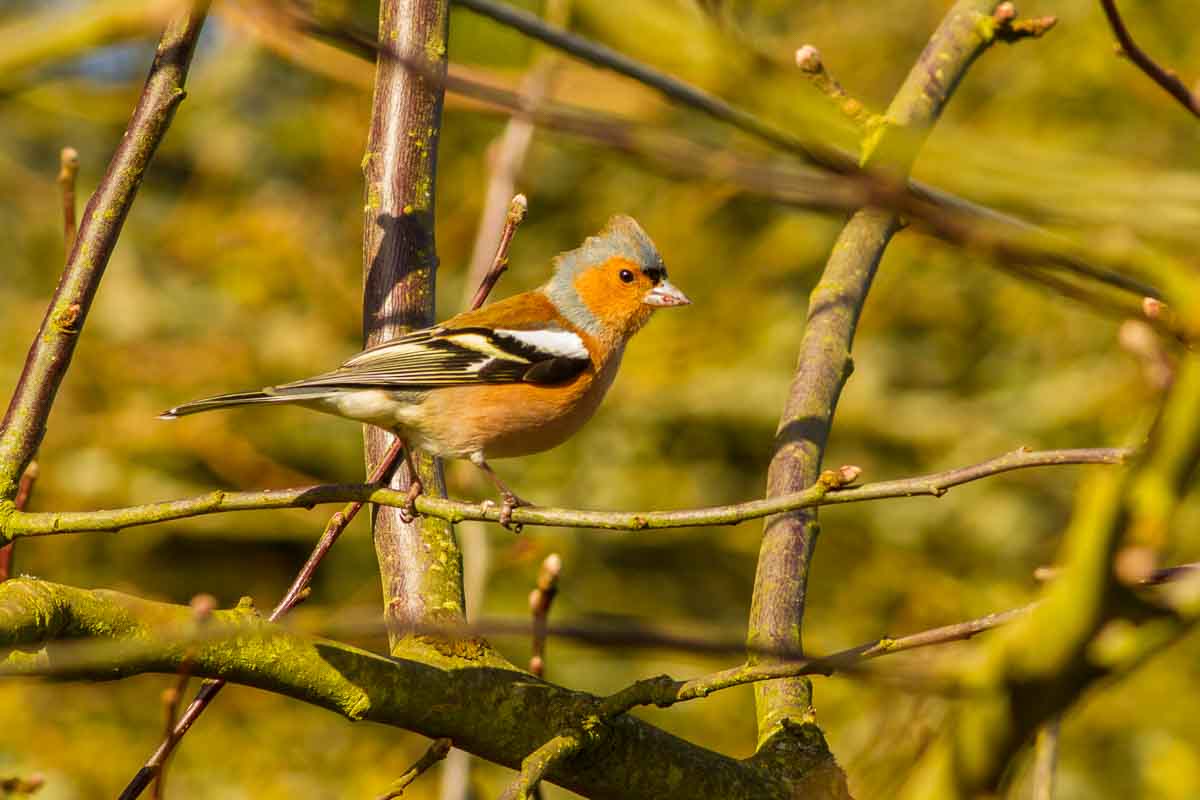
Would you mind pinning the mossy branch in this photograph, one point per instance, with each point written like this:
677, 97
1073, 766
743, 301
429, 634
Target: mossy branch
434, 686
15, 524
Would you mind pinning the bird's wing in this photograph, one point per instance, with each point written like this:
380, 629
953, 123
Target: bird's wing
459, 356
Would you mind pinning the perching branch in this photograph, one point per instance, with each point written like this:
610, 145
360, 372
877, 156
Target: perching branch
16, 524
1167, 78
50, 354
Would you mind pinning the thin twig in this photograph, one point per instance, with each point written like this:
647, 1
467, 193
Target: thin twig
50, 354
516, 215
1045, 761
1163, 76
20, 501
950, 218
294, 595
535, 766
664, 691
680, 91
808, 59
16, 524
68, 169
436, 752
202, 607
540, 600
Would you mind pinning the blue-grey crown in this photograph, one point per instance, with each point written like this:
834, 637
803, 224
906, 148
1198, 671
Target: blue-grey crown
621, 237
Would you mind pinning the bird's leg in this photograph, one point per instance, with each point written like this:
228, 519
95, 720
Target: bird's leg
509, 497
408, 511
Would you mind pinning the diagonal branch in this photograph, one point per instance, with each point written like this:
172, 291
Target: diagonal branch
824, 362
16, 524
1163, 76
50, 354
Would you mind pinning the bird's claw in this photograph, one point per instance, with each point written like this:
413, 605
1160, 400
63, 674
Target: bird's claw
408, 511
510, 502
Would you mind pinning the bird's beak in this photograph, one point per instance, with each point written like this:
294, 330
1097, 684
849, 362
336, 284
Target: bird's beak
665, 294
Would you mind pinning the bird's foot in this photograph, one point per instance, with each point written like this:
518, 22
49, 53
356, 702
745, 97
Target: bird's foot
408, 511
509, 502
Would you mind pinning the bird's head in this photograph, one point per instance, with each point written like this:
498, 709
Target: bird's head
613, 282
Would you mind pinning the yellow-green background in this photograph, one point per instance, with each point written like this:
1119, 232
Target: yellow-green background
240, 267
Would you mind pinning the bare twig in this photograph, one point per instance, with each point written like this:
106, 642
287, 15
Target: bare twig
436, 752
46, 523
680, 91
516, 215
50, 354
202, 607
1013, 241
664, 691
540, 600
20, 501
1045, 761
808, 59
293, 596
67, 171
1163, 76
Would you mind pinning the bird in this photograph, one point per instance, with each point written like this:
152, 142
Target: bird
515, 377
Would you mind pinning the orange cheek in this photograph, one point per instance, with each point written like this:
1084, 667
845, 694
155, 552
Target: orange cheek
613, 302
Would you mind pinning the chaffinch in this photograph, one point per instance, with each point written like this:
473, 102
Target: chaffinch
515, 377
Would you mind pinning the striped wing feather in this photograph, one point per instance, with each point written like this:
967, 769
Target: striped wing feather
439, 357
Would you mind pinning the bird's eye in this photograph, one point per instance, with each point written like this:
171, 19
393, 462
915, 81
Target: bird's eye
626, 276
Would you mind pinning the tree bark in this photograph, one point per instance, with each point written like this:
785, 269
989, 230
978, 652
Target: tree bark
420, 562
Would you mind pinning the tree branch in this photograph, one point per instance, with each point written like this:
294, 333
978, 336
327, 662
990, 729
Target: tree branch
1163, 76
419, 560
15, 524
50, 354
824, 363
496, 711
436, 752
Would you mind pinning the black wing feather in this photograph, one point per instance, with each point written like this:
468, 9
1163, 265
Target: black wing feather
439, 357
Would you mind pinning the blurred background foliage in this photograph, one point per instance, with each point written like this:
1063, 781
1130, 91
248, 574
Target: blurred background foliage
240, 267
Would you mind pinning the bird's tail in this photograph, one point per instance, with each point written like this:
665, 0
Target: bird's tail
237, 399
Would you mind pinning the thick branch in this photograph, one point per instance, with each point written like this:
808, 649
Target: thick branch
15, 524
50, 355
460, 691
419, 560
824, 362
